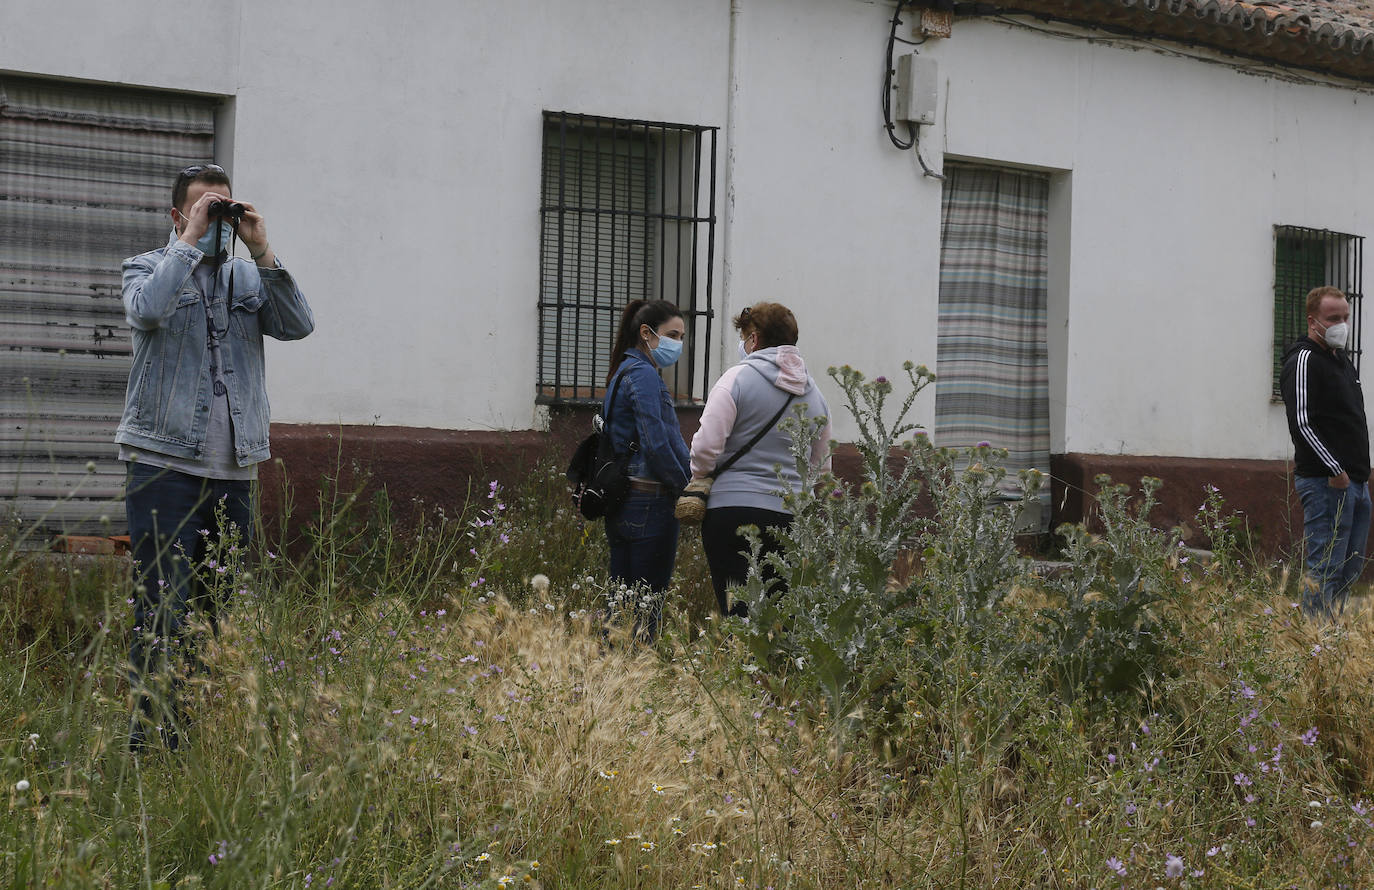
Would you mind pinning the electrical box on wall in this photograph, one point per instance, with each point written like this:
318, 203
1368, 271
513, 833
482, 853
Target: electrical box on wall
917, 89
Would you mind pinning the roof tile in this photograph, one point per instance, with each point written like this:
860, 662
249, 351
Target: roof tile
1330, 36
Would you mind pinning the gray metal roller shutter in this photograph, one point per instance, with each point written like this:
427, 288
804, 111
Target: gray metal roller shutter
85, 181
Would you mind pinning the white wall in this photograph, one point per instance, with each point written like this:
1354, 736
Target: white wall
395, 149
135, 42
829, 218
1180, 168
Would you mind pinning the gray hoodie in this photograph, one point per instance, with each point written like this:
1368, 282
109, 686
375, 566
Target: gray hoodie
743, 400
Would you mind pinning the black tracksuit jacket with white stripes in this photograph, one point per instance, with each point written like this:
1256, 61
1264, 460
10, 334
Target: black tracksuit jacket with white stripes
1321, 390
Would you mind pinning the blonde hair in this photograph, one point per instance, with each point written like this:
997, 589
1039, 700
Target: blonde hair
1317, 294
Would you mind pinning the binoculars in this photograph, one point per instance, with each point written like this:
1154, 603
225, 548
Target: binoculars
226, 209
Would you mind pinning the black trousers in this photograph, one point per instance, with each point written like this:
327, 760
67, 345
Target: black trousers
727, 550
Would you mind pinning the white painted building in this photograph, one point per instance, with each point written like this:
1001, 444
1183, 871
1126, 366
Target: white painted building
402, 153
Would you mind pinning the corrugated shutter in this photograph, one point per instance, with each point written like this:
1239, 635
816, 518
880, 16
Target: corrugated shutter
85, 181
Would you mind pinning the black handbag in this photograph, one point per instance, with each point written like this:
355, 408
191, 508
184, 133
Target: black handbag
600, 482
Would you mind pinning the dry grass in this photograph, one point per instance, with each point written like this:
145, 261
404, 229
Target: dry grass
381, 744
1323, 672
521, 735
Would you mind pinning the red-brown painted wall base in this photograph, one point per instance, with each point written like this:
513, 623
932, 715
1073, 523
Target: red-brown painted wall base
441, 467
1260, 490
411, 464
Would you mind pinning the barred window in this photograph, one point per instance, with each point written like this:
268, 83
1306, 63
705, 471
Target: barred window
1304, 259
627, 212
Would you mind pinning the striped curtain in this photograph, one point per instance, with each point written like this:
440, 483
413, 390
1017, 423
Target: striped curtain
85, 181
991, 357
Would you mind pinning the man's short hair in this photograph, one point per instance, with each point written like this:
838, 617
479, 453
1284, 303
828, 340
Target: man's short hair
1317, 294
211, 173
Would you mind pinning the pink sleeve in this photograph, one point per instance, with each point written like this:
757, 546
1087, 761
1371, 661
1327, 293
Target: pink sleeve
717, 420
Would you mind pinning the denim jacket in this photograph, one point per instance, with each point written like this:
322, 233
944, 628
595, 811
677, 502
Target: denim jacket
167, 405
644, 407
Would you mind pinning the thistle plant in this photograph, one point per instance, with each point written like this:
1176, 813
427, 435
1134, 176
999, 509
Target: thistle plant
1109, 628
845, 614
969, 547
850, 625
836, 559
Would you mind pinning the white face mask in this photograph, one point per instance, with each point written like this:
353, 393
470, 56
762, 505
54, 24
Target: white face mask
743, 353
1337, 335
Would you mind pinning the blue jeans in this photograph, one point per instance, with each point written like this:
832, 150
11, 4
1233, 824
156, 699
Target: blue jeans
643, 543
173, 528
1335, 531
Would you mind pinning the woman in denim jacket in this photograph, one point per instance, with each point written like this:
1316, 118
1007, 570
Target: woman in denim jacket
643, 423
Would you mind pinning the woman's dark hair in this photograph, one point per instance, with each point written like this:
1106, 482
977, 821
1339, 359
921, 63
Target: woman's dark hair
773, 322
638, 312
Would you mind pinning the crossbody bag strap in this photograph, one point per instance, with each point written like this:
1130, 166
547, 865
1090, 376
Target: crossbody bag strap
754, 441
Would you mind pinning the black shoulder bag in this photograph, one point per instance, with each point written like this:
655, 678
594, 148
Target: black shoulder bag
598, 475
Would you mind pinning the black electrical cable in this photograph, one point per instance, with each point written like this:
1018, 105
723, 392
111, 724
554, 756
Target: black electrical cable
916, 149
888, 72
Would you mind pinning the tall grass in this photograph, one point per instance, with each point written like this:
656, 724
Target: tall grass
408, 708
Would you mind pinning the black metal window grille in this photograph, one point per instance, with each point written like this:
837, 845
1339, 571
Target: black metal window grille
1304, 259
627, 211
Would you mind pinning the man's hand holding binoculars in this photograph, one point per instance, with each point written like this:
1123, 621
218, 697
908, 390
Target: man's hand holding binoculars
251, 228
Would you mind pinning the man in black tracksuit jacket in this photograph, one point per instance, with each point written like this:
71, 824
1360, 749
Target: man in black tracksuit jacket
1321, 390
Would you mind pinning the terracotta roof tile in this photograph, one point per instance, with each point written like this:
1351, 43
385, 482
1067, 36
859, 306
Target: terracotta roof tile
1331, 36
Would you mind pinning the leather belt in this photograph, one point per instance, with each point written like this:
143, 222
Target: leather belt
646, 485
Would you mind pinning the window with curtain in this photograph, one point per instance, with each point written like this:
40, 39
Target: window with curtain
85, 181
991, 357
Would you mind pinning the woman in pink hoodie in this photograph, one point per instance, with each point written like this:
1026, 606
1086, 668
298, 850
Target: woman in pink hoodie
750, 399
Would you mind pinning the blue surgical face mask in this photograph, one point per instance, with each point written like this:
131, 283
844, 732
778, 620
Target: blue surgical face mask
667, 351
206, 244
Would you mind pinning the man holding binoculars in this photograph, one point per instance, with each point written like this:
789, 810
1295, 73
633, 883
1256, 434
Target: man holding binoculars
195, 423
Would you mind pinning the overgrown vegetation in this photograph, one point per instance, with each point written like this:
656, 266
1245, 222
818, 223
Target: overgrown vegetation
920, 709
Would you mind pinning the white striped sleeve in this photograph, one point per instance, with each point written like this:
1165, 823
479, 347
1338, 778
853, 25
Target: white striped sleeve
1304, 424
